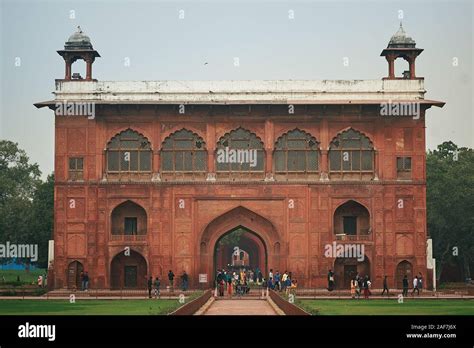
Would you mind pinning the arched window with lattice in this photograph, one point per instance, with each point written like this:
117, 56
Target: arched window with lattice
183, 152
296, 152
129, 152
240, 152
351, 156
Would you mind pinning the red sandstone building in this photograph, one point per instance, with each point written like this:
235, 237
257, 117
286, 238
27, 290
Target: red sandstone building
141, 173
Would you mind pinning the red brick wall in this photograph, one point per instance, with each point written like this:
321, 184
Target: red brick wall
183, 238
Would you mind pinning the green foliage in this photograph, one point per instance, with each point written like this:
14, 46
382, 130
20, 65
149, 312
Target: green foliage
18, 178
232, 238
26, 203
42, 212
450, 204
9, 277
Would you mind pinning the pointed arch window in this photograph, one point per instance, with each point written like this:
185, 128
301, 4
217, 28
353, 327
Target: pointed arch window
240, 151
183, 151
129, 152
296, 152
351, 152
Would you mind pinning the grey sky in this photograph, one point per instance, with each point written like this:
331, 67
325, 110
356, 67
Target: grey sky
269, 45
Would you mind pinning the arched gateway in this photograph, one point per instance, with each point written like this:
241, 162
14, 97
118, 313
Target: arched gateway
258, 233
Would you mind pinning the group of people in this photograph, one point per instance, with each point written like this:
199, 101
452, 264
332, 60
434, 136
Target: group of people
363, 284
281, 282
154, 285
359, 284
417, 285
239, 281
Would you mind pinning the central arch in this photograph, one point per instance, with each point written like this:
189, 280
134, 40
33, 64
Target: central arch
252, 251
260, 228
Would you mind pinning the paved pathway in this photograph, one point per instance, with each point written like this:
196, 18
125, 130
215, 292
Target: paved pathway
240, 307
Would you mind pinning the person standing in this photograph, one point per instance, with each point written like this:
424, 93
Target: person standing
270, 283
260, 278
284, 278
150, 286
277, 281
366, 285
157, 287
171, 279
86, 281
415, 286
358, 285
385, 285
221, 287
330, 280
270, 274
420, 283
405, 286
353, 287
229, 285
184, 281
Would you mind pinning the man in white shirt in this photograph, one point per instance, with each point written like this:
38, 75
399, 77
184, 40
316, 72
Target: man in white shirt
415, 286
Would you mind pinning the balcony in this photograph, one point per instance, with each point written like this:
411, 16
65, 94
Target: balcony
364, 235
120, 236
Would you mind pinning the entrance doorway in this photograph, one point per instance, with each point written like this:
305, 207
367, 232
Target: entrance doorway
74, 272
128, 271
240, 249
346, 268
131, 276
404, 268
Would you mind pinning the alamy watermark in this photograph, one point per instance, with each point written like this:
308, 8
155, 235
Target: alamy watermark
75, 109
37, 331
348, 250
11, 250
241, 156
411, 109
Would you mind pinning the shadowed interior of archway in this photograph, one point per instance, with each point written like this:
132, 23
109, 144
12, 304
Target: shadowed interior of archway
240, 248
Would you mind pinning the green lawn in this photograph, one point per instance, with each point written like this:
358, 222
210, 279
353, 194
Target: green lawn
88, 307
25, 277
388, 307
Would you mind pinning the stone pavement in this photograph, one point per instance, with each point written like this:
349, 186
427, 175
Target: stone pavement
240, 307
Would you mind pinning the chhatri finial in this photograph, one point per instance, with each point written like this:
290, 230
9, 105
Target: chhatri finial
79, 30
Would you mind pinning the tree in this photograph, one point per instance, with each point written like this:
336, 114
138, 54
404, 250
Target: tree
232, 238
18, 181
18, 178
41, 225
450, 204
26, 203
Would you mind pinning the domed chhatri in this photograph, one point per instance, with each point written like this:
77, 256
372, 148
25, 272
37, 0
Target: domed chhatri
401, 40
78, 40
401, 46
78, 46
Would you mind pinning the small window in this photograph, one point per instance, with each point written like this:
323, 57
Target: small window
130, 226
76, 168
404, 167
